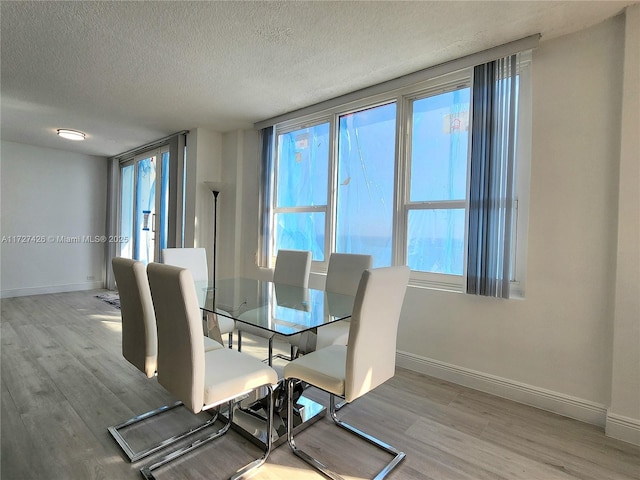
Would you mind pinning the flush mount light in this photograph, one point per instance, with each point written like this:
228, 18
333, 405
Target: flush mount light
71, 134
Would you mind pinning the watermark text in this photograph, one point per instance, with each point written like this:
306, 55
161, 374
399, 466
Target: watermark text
64, 239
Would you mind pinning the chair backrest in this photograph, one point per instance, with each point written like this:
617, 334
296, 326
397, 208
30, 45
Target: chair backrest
180, 337
292, 268
290, 296
371, 349
194, 259
139, 336
345, 271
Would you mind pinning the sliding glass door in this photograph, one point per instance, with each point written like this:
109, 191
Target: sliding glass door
144, 204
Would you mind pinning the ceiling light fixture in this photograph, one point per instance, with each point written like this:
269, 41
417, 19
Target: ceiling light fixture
71, 134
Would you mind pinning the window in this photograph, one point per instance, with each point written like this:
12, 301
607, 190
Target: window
389, 176
300, 213
144, 205
437, 193
365, 183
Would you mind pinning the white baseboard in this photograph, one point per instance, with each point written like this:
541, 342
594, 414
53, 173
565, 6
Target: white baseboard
623, 428
551, 401
73, 287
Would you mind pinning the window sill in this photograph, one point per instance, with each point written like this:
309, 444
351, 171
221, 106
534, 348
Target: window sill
516, 292
441, 285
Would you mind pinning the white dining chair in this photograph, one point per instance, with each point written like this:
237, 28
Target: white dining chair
367, 361
292, 268
140, 346
343, 276
195, 260
201, 380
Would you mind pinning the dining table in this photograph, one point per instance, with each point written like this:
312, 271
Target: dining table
281, 309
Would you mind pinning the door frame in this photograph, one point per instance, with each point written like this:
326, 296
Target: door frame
156, 220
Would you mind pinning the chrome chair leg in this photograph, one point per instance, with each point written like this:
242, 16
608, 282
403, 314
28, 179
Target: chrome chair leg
340, 405
147, 471
134, 456
398, 455
315, 463
268, 442
292, 444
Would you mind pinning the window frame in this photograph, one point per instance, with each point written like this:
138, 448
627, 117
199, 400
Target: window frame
328, 207
356, 107
522, 176
439, 281
403, 98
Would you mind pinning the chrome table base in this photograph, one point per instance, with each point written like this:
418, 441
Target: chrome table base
250, 422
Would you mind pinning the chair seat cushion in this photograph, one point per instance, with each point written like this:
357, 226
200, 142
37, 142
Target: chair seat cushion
325, 368
229, 373
211, 344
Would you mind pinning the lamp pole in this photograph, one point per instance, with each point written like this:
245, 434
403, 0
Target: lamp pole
215, 231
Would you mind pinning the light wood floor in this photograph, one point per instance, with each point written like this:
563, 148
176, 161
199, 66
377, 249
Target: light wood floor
64, 381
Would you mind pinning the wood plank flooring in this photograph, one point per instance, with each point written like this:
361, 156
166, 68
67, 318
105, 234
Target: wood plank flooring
64, 381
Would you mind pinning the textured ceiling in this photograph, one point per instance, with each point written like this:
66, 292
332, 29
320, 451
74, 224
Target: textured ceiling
127, 73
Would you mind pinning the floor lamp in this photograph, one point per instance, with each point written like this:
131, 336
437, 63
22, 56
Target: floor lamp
214, 327
215, 188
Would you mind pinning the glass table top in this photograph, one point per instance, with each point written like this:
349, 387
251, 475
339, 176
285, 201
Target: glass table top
279, 308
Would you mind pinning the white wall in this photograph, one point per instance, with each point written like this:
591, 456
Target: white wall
623, 419
249, 216
51, 193
230, 206
204, 164
554, 348
207, 151
240, 148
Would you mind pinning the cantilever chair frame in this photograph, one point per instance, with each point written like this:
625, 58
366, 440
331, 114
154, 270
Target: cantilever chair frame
165, 281
116, 431
360, 376
398, 456
134, 456
147, 471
